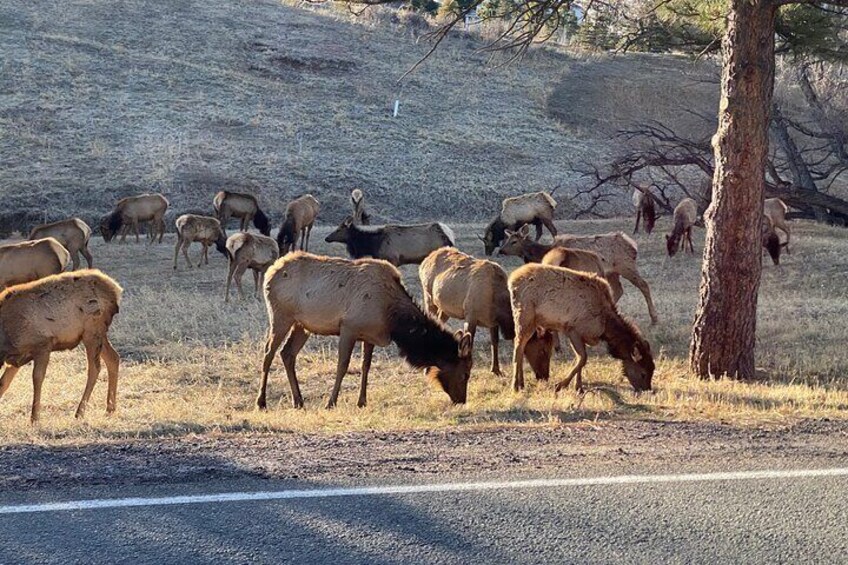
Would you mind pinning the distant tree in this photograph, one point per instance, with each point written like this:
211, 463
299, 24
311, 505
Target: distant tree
724, 331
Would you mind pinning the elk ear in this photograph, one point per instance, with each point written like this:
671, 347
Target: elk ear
525, 230
464, 344
347, 222
636, 355
481, 238
509, 233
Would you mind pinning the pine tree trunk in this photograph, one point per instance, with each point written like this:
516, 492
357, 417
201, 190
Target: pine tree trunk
724, 333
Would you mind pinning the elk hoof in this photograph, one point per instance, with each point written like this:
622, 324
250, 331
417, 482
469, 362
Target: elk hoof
261, 404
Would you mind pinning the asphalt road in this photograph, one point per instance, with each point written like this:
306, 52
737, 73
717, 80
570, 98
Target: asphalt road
752, 520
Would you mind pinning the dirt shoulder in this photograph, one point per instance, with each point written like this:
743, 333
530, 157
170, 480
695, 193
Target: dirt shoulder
585, 448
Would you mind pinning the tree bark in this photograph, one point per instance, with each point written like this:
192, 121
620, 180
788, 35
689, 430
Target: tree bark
724, 333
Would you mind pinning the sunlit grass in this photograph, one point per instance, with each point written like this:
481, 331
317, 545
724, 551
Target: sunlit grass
191, 362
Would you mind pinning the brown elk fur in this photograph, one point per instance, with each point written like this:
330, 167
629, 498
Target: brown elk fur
776, 210
203, 229
31, 260
771, 240
249, 251
244, 207
616, 251
399, 245
456, 285
132, 211
58, 313
362, 300
72, 233
297, 224
646, 209
360, 216
579, 306
685, 216
536, 208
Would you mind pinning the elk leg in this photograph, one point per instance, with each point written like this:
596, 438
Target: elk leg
75, 260
113, 361
135, 229
580, 351
538, 225
346, 343
614, 280
494, 337
295, 342
240, 269
202, 253
523, 335
7, 377
186, 245
256, 277
308, 234
39, 370
367, 353
230, 273
637, 281
550, 225
92, 354
276, 333
689, 237
88, 258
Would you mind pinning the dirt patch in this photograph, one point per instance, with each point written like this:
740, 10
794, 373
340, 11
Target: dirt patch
581, 447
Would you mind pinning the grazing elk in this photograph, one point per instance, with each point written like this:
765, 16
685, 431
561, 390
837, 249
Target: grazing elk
244, 207
58, 313
399, 245
249, 251
73, 234
360, 216
616, 251
776, 210
298, 221
456, 285
579, 306
31, 260
536, 208
361, 300
130, 212
646, 209
203, 229
685, 216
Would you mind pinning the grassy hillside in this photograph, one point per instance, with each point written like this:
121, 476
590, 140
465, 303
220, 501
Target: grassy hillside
99, 100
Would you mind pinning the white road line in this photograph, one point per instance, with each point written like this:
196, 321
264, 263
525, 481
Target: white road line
102, 503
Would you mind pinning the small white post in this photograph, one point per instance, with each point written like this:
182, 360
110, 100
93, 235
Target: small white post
397, 108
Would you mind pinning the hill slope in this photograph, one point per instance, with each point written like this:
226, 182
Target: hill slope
99, 100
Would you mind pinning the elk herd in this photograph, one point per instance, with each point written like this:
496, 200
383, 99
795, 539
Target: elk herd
566, 289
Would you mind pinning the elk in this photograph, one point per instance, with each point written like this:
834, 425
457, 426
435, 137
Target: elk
771, 240
580, 306
58, 313
299, 217
646, 209
31, 260
203, 229
399, 245
685, 216
360, 216
616, 251
244, 207
776, 210
249, 251
130, 212
360, 300
456, 285
536, 208
72, 233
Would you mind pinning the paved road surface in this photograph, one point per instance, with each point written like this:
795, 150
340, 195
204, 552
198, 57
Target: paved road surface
745, 520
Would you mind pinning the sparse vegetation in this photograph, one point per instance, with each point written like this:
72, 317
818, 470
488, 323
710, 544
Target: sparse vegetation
191, 363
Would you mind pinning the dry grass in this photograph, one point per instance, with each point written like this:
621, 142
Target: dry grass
191, 361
